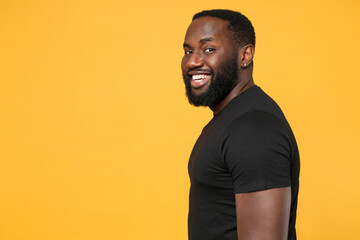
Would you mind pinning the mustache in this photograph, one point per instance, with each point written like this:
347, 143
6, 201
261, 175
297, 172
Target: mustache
200, 70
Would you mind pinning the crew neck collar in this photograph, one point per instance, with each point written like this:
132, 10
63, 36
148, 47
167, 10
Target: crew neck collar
244, 93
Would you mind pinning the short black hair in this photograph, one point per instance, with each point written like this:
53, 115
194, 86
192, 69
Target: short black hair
239, 25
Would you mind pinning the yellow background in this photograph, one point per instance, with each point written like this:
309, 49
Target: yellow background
96, 131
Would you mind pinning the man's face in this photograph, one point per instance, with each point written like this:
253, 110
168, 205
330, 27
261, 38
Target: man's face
209, 66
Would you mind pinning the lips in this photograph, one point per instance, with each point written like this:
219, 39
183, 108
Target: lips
199, 80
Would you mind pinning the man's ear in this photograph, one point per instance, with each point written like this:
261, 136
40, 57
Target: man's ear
246, 55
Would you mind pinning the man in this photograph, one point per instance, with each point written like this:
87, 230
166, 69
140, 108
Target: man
244, 167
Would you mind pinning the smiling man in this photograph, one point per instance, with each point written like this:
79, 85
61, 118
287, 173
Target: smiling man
244, 168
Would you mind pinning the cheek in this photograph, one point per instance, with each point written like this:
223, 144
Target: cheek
213, 63
183, 64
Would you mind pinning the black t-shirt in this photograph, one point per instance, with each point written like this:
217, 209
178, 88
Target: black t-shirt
248, 146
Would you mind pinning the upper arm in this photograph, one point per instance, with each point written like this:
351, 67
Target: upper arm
257, 153
263, 215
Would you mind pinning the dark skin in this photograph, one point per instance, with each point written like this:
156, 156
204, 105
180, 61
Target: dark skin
202, 36
261, 215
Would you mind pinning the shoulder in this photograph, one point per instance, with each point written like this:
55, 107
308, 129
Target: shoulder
257, 132
257, 151
256, 122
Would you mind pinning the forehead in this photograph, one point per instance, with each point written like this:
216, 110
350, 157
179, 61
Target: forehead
207, 27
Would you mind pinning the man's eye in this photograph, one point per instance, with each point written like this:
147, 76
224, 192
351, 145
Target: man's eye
209, 50
187, 52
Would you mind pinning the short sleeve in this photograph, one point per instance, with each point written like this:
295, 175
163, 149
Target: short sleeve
257, 152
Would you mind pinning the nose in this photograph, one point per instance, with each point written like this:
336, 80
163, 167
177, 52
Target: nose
195, 60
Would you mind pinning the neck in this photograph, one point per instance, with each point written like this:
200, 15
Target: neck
238, 89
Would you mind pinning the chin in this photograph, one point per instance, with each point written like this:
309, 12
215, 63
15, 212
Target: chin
198, 92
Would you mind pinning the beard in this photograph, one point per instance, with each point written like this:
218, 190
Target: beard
220, 86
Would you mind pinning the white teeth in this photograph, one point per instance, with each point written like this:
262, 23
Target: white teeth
199, 76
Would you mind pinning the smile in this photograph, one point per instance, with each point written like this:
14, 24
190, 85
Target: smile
199, 80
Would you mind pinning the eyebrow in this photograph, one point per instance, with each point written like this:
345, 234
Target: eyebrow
208, 39
186, 45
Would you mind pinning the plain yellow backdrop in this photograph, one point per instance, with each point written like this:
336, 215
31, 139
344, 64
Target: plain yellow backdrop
96, 131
